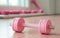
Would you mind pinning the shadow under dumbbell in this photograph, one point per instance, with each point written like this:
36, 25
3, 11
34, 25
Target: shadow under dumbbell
27, 35
54, 34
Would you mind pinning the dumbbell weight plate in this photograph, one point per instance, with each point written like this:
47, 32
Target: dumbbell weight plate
40, 10
45, 26
17, 24
34, 11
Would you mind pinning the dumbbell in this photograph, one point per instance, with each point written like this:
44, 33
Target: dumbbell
44, 26
31, 11
6, 12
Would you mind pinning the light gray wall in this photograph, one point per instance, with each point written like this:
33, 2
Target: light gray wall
47, 5
58, 6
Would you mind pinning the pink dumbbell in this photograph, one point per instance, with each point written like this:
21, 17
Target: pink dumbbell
3, 12
6, 12
40, 10
27, 11
12, 12
44, 26
33, 11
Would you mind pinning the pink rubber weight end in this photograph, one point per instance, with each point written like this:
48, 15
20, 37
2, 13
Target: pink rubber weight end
17, 24
44, 26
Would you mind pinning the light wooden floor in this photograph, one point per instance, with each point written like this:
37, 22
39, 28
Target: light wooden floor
7, 32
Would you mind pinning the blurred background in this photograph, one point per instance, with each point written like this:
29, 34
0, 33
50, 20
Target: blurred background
49, 6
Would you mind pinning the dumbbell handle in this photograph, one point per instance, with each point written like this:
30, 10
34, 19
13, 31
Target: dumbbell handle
30, 25
35, 25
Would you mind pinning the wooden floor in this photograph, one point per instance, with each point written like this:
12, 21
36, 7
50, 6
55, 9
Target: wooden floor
7, 32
